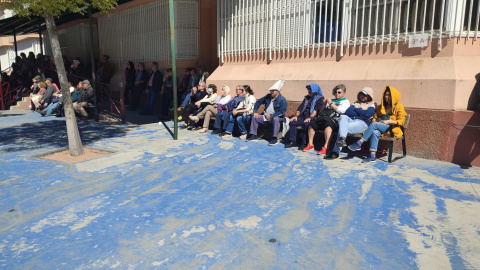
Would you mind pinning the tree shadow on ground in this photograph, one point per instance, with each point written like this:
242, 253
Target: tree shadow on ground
12, 114
48, 134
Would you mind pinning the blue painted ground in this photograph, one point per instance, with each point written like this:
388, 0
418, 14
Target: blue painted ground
204, 203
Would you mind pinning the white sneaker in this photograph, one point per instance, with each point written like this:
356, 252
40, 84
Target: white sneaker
227, 136
243, 137
194, 118
204, 130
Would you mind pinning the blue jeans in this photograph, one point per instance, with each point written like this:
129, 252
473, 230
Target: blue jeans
152, 97
50, 108
186, 98
346, 126
222, 116
241, 121
374, 131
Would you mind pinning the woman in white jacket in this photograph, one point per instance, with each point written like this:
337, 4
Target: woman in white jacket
211, 110
242, 114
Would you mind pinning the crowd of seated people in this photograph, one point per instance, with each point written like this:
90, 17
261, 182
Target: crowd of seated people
315, 113
37, 77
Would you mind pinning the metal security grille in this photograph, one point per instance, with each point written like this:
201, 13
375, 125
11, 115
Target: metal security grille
266, 26
142, 33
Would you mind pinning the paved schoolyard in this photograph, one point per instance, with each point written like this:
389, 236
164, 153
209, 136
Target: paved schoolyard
204, 203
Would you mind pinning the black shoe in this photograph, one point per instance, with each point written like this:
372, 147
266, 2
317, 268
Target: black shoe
252, 138
273, 141
332, 155
189, 128
216, 131
341, 142
290, 144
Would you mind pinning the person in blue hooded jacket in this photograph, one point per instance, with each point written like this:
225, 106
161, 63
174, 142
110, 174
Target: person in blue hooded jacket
310, 107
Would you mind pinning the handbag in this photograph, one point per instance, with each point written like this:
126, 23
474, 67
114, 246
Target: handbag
329, 114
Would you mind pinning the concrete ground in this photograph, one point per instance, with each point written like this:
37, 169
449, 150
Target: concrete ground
204, 203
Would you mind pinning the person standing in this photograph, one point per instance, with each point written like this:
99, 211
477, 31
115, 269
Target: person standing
141, 79
167, 94
129, 81
107, 70
154, 87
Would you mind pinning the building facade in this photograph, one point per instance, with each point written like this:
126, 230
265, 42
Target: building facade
429, 50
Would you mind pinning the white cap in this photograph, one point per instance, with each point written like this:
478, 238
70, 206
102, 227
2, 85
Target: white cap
278, 85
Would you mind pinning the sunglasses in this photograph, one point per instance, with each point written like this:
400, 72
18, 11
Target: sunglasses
338, 92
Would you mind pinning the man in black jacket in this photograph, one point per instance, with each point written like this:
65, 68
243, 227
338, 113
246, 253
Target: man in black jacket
85, 99
141, 80
154, 86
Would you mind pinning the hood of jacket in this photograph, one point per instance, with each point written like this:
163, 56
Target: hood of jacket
364, 105
316, 89
396, 96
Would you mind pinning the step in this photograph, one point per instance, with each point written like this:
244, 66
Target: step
21, 104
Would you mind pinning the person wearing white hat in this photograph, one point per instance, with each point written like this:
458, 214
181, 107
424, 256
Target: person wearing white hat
275, 108
355, 120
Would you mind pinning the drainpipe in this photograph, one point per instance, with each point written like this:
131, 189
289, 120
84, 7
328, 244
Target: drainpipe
15, 42
41, 47
92, 59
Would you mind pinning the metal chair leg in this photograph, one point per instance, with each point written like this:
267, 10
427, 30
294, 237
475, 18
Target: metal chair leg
404, 145
390, 153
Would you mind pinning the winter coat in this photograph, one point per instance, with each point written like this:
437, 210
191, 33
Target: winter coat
397, 112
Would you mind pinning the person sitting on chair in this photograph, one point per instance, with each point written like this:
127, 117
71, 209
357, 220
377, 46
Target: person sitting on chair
311, 105
275, 108
389, 116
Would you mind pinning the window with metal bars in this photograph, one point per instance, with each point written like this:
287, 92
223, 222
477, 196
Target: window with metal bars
142, 33
259, 26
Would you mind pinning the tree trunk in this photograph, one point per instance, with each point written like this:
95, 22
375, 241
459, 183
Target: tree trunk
74, 141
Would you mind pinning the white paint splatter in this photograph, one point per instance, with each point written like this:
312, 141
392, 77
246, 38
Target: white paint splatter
67, 215
56, 182
209, 254
127, 201
193, 230
117, 264
160, 263
21, 246
211, 227
173, 235
248, 223
145, 215
85, 222
304, 232
228, 224
161, 243
365, 189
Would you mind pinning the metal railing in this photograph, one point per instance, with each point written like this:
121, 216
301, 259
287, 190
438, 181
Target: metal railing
266, 26
111, 101
9, 96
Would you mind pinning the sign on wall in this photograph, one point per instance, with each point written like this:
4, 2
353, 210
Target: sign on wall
418, 40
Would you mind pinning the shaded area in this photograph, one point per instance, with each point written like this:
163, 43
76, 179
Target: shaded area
52, 133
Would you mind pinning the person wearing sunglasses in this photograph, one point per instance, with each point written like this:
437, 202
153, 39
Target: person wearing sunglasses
355, 120
327, 118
